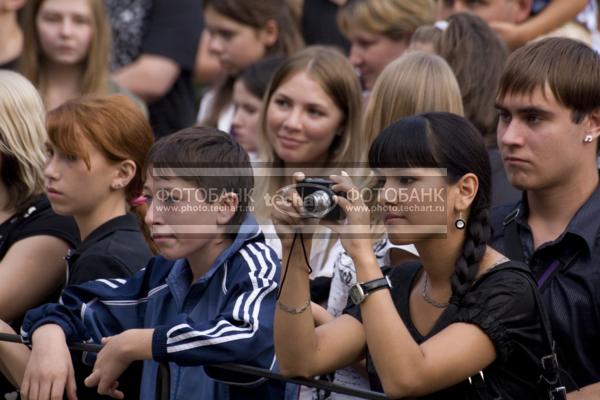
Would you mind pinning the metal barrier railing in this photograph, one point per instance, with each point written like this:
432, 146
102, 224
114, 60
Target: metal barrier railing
163, 383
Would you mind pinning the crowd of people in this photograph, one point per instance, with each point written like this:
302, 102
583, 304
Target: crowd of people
399, 196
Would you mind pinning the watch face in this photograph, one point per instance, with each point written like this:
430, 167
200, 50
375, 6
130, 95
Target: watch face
356, 294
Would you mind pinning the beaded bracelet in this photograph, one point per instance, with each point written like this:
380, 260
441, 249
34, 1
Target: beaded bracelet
291, 310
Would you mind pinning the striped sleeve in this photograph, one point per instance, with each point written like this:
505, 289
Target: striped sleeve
99, 308
242, 330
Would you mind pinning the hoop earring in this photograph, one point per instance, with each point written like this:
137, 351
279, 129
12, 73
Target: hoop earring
460, 223
588, 139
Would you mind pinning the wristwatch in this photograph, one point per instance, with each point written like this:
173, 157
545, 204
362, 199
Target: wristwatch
360, 291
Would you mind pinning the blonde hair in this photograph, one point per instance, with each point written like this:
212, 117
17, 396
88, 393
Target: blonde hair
22, 139
392, 18
95, 78
334, 74
415, 83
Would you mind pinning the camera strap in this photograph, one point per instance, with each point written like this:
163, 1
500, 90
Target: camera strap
287, 264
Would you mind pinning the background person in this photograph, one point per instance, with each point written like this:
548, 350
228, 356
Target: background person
151, 60
242, 32
33, 239
248, 91
379, 31
68, 50
477, 56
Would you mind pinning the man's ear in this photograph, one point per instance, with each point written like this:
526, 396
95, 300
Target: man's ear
125, 173
521, 10
466, 190
270, 33
227, 207
592, 124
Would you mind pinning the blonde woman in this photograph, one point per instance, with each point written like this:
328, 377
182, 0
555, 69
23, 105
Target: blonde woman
310, 121
311, 117
311, 114
379, 31
33, 239
68, 50
416, 82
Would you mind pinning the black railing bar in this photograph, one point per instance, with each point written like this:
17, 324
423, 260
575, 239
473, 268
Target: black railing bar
255, 371
88, 347
318, 384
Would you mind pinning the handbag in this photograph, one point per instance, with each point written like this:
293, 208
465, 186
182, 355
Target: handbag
549, 382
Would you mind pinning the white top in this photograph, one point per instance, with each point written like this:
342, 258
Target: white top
226, 116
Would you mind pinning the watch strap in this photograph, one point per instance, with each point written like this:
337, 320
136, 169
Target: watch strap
376, 284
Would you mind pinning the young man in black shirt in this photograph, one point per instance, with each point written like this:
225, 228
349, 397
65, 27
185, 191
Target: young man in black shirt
549, 122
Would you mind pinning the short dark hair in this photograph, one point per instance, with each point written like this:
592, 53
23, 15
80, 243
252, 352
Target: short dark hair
196, 148
256, 13
256, 77
569, 67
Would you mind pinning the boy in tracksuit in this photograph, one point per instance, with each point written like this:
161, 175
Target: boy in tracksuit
207, 299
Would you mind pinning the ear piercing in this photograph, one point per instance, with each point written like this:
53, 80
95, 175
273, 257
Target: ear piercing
460, 223
588, 139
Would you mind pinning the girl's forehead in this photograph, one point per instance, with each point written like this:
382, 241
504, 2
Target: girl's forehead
76, 6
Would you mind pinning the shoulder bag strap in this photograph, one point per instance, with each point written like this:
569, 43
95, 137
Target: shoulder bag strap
550, 368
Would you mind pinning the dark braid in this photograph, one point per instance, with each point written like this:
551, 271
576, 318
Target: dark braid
478, 232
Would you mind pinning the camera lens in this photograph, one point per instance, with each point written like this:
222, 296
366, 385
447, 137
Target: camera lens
317, 202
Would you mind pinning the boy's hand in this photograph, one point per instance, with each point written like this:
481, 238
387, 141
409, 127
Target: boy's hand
118, 352
49, 371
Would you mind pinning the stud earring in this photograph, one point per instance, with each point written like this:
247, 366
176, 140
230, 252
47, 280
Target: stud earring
588, 139
460, 223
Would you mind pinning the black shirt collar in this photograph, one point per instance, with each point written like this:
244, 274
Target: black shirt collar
583, 224
127, 222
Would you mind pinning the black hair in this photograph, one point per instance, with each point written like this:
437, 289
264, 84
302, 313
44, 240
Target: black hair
256, 77
444, 140
209, 159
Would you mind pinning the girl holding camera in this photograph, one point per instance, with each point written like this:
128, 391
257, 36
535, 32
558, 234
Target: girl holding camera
310, 119
433, 328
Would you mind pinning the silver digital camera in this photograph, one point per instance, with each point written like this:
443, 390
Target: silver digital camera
317, 197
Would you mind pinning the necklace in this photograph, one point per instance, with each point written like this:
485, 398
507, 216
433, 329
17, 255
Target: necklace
429, 299
446, 304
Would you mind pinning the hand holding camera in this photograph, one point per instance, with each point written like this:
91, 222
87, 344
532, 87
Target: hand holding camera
318, 199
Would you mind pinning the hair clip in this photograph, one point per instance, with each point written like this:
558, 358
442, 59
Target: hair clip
138, 201
442, 25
